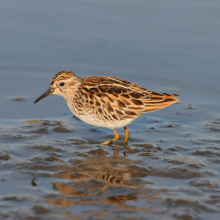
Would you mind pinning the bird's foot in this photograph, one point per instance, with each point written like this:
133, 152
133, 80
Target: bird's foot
112, 140
107, 142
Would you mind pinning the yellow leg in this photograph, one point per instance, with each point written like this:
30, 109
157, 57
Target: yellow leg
112, 140
126, 134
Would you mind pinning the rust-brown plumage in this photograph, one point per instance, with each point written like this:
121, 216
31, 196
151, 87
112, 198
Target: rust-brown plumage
120, 99
107, 101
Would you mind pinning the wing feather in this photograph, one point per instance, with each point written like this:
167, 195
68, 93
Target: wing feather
116, 99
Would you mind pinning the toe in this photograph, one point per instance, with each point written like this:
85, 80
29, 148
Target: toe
106, 142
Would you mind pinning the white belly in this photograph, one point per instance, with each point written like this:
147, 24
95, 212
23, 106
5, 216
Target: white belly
91, 118
104, 123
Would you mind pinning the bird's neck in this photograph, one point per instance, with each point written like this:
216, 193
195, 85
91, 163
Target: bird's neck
72, 95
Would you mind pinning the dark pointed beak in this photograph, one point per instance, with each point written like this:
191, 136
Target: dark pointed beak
47, 93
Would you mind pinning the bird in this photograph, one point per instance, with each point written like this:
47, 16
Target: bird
106, 101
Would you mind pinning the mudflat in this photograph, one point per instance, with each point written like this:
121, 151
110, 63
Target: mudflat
52, 165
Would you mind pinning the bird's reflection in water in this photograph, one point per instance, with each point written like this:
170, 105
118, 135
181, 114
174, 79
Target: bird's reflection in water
117, 149
106, 179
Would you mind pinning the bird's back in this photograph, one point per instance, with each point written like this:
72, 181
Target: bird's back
117, 99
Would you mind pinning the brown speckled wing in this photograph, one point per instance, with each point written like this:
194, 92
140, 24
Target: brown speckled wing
116, 99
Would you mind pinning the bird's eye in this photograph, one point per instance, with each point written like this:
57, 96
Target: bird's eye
62, 84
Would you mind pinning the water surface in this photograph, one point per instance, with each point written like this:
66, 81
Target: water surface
52, 166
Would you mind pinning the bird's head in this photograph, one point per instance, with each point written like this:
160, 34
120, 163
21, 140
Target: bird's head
63, 83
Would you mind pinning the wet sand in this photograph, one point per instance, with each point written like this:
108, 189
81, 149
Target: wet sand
53, 169
52, 165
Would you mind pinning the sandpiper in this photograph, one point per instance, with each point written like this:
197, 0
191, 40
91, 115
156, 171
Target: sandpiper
106, 101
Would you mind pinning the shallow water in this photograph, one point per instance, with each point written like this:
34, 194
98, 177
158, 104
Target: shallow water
52, 166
